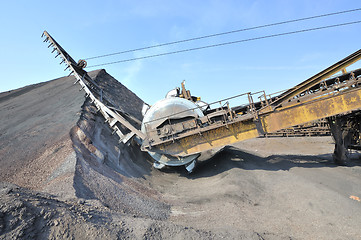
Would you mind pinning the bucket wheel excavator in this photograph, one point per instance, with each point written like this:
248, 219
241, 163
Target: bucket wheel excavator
176, 130
180, 109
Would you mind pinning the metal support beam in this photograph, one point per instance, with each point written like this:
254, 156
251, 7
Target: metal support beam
81, 75
328, 72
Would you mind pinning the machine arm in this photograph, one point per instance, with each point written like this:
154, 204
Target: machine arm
316, 79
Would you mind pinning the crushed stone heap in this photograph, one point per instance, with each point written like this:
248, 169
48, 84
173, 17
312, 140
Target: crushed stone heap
64, 175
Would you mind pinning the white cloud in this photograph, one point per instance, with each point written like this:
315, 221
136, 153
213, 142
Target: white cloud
131, 72
310, 57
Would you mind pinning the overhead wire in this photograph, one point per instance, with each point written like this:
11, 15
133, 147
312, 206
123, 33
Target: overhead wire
225, 33
227, 43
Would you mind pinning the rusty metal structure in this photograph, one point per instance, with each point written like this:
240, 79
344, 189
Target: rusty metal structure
316, 128
177, 137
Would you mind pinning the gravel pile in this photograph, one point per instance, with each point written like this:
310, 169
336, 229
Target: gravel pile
65, 176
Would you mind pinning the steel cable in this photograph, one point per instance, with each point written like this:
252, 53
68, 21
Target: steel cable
227, 43
225, 33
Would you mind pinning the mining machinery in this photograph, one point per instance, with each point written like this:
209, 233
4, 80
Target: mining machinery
176, 130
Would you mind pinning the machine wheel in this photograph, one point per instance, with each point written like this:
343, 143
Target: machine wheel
162, 160
82, 63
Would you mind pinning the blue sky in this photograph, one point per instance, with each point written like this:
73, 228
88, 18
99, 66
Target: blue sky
91, 28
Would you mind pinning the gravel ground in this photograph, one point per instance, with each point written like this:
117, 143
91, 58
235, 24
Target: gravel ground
73, 179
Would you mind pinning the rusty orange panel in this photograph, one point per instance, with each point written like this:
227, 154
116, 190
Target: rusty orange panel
311, 111
214, 138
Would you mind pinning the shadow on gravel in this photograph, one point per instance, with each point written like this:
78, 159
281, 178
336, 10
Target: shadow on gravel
231, 157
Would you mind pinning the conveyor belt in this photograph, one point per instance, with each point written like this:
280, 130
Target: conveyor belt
94, 92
